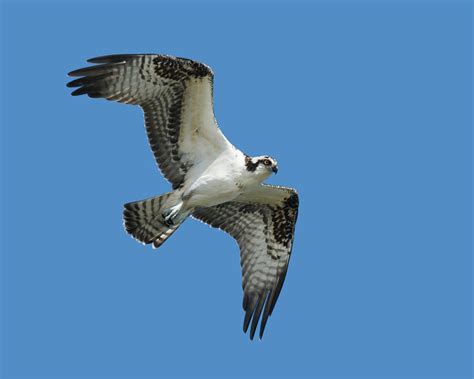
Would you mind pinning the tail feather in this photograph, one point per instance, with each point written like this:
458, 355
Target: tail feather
164, 236
144, 221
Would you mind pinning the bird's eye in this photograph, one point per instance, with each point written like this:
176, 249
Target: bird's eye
267, 162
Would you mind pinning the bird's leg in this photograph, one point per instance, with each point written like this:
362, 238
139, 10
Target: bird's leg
170, 215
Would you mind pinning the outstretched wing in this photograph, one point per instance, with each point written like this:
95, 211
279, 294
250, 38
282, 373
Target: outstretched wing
263, 223
176, 97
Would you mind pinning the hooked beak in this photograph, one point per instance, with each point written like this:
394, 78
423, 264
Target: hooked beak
275, 169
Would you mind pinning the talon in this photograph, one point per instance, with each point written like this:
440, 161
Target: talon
171, 214
168, 220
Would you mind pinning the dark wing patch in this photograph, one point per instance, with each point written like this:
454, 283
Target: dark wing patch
264, 232
284, 218
159, 84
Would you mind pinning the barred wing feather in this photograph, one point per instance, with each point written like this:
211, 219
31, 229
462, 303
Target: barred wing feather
263, 222
176, 95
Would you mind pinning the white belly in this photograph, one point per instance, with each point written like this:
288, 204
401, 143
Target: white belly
210, 190
221, 181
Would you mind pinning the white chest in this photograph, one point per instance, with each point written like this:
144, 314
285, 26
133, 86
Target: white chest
222, 180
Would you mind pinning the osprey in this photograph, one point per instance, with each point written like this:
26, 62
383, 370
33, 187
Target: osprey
212, 180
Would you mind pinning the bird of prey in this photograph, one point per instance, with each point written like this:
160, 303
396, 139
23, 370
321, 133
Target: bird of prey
212, 180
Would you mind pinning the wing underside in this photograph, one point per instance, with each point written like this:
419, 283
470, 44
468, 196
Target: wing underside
263, 225
176, 97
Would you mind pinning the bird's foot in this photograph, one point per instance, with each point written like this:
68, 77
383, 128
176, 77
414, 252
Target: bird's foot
170, 215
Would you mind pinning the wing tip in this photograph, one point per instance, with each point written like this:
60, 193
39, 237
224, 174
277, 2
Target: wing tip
80, 91
112, 58
253, 313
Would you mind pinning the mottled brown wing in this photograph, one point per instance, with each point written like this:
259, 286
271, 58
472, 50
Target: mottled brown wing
263, 223
176, 97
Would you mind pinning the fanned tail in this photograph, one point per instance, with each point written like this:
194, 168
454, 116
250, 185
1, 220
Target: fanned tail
144, 220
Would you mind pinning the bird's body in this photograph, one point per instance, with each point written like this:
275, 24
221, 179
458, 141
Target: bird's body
212, 180
217, 182
221, 181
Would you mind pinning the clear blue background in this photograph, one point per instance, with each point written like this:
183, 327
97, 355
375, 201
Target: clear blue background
367, 107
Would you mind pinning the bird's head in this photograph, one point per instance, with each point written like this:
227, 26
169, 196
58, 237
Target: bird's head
262, 166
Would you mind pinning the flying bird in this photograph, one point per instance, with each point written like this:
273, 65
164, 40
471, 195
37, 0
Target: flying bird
211, 179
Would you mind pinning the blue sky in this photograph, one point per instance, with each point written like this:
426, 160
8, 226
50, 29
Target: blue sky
366, 106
